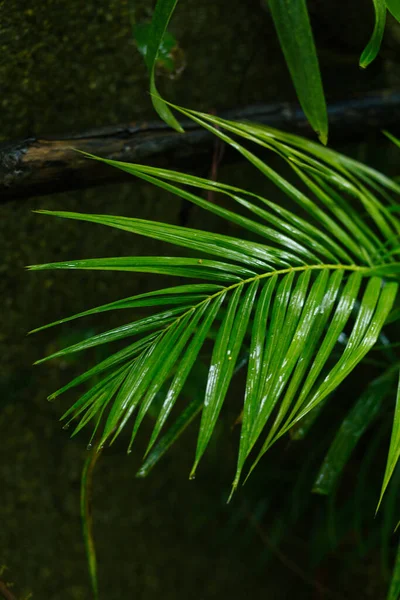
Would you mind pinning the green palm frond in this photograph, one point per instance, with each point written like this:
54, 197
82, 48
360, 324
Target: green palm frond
323, 271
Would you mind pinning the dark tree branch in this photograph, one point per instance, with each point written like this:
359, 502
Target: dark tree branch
45, 165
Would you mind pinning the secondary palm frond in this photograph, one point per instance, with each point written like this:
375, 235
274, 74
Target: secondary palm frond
324, 271
292, 24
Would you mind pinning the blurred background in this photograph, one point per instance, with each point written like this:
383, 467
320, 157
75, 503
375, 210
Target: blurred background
70, 66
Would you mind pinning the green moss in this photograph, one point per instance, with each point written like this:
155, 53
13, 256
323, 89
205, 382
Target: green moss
65, 66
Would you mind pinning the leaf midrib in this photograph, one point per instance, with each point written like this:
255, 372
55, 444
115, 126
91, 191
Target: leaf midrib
302, 268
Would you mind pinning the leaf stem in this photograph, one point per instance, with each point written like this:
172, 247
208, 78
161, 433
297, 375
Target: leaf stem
302, 268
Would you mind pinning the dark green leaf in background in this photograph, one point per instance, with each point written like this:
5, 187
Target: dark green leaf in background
142, 33
394, 7
359, 418
153, 41
394, 450
295, 35
374, 44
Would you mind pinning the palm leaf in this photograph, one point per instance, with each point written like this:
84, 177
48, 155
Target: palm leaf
226, 351
394, 450
314, 273
394, 7
161, 17
374, 43
353, 426
295, 35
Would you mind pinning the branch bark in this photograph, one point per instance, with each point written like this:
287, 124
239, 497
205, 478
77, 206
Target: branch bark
45, 165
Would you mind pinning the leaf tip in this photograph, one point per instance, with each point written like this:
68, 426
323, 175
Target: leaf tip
380, 500
42, 211
233, 490
323, 137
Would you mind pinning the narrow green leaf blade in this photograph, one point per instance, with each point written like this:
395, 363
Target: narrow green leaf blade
295, 35
112, 361
374, 309
322, 230
125, 403
254, 372
174, 295
340, 318
193, 389
391, 137
284, 318
352, 428
374, 44
283, 241
226, 351
173, 433
169, 351
230, 248
298, 229
161, 17
140, 378
319, 325
201, 268
185, 367
346, 220
394, 449
299, 341
140, 326
96, 394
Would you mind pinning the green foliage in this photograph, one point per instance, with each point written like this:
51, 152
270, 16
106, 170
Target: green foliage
374, 43
394, 451
86, 515
394, 7
153, 42
362, 414
142, 33
294, 31
320, 272
298, 306
293, 27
